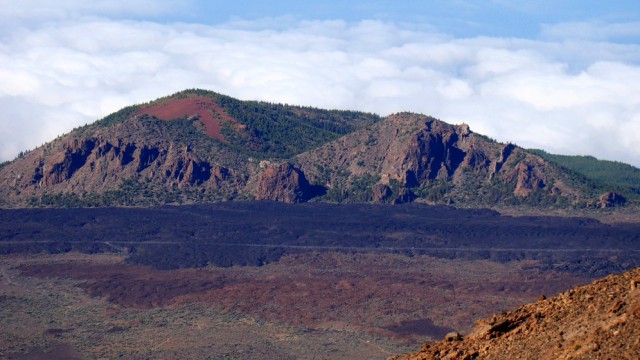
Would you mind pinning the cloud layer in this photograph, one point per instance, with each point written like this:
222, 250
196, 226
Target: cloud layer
566, 94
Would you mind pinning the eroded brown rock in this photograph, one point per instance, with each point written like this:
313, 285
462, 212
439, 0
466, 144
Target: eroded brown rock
282, 182
597, 321
63, 165
610, 199
439, 162
399, 159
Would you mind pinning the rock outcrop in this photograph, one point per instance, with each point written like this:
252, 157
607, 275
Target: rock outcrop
62, 166
597, 321
97, 166
188, 148
438, 162
282, 182
101, 160
610, 199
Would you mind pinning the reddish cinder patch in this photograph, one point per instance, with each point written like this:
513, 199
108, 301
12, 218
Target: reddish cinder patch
209, 113
388, 295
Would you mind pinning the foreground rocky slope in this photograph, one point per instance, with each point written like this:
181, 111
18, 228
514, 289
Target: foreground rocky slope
199, 146
597, 321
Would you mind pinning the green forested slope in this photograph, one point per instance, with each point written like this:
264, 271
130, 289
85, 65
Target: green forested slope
272, 130
623, 176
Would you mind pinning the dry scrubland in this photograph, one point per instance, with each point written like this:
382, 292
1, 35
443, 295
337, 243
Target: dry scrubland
276, 281
306, 306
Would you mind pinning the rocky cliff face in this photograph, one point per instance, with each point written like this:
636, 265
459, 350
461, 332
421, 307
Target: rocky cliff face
409, 156
187, 148
100, 163
610, 199
282, 182
597, 321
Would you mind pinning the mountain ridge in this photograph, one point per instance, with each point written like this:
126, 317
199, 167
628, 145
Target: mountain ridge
416, 156
623, 176
200, 146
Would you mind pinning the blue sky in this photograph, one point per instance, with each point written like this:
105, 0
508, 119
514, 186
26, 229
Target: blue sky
558, 75
460, 18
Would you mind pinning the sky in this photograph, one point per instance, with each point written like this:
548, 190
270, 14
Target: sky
563, 76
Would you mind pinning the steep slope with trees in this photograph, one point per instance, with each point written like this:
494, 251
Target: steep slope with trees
411, 156
624, 177
200, 146
193, 146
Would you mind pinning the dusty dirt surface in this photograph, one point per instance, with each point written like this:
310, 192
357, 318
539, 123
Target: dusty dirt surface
629, 214
401, 300
210, 114
58, 352
597, 321
53, 317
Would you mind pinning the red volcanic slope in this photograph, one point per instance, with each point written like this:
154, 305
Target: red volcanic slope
208, 111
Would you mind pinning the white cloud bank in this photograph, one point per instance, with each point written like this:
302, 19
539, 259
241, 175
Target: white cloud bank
573, 95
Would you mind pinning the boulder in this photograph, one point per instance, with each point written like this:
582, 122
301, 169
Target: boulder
610, 199
282, 182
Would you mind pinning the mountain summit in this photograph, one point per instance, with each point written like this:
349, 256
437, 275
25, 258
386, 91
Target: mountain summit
200, 146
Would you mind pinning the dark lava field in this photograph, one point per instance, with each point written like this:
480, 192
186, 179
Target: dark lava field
258, 233
276, 281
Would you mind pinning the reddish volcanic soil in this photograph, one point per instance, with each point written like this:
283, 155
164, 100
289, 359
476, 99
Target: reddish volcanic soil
389, 295
597, 321
210, 114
